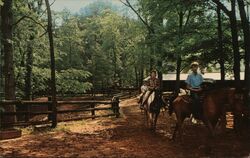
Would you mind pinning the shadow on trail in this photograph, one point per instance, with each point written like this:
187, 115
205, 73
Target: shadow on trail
126, 136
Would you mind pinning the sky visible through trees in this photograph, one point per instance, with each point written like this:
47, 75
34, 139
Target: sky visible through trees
107, 43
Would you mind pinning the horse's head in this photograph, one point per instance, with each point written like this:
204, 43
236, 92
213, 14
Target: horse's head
236, 98
208, 84
155, 101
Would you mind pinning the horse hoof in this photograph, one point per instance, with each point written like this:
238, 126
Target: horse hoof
208, 150
152, 129
172, 139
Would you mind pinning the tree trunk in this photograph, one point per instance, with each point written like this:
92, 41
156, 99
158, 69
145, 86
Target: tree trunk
141, 76
234, 31
29, 65
70, 55
235, 42
141, 69
178, 62
52, 62
1, 60
160, 75
220, 45
178, 74
115, 62
136, 84
246, 31
7, 40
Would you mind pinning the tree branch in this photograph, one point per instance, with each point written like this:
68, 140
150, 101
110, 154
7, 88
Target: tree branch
46, 10
222, 7
44, 33
28, 17
128, 4
188, 17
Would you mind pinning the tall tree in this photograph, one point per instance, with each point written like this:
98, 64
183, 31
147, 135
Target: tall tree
234, 32
246, 31
220, 45
29, 66
7, 40
52, 62
30, 49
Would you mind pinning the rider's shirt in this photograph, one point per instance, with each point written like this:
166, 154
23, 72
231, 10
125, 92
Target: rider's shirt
194, 80
153, 83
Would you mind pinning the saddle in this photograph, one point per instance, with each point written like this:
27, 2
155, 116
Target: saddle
158, 102
196, 106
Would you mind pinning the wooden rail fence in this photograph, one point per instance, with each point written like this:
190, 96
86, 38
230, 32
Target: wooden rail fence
85, 106
95, 94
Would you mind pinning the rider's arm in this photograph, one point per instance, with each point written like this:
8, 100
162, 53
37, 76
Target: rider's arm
188, 82
150, 85
189, 87
193, 89
157, 86
150, 88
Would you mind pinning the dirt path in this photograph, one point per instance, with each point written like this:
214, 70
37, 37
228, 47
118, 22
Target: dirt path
124, 137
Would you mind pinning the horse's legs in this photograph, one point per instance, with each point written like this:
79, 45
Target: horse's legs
210, 137
221, 124
178, 127
147, 118
151, 120
175, 130
210, 128
155, 120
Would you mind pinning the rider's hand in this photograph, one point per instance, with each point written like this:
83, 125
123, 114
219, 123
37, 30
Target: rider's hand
196, 90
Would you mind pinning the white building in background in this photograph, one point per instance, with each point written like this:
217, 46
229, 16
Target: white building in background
212, 75
208, 75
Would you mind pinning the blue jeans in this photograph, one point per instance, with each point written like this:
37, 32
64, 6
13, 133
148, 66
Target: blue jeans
196, 107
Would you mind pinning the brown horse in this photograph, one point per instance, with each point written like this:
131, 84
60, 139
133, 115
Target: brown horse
213, 108
152, 109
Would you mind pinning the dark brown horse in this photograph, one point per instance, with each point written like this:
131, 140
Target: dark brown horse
213, 108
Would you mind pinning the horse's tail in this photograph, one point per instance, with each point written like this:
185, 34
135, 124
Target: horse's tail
171, 100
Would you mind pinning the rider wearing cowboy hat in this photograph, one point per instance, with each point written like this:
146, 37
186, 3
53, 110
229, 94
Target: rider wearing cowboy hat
194, 81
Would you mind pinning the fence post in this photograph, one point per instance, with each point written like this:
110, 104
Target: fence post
54, 114
52, 107
92, 106
1, 117
27, 115
115, 106
49, 108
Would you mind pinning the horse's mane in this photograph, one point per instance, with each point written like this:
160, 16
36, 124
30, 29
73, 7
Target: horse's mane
172, 97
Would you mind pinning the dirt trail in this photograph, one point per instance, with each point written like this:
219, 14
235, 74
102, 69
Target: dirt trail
124, 137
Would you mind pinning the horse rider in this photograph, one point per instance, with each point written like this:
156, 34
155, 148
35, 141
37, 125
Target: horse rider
153, 84
194, 81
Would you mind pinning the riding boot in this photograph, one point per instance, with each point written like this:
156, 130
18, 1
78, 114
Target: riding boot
195, 105
194, 109
141, 106
140, 99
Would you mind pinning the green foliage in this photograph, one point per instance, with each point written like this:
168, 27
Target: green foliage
184, 29
73, 81
100, 48
29, 34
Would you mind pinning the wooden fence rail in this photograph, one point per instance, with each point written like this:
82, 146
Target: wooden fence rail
95, 93
83, 106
